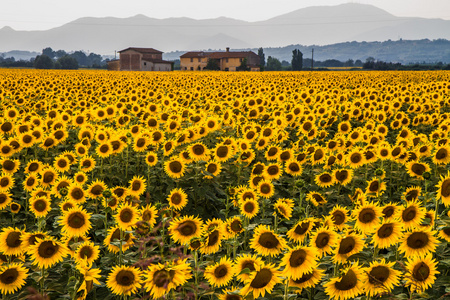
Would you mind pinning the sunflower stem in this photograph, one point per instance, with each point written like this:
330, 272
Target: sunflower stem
436, 207
235, 242
126, 165
42, 281
286, 288
195, 273
275, 222
120, 247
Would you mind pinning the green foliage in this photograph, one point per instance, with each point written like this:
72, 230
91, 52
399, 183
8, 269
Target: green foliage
66, 62
212, 65
43, 62
273, 64
297, 60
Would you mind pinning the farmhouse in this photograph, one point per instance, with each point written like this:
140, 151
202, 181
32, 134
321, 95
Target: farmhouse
227, 61
141, 59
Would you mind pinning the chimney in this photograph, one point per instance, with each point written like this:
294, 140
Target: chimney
228, 49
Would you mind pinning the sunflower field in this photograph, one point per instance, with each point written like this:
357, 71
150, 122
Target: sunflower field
216, 185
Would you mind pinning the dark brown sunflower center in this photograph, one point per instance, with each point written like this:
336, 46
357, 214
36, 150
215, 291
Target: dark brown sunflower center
48, 177
212, 168
187, 228
262, 278
374, 186
47, 249
77, 194
9, 276
7, 126
3, 198
49, 142
294, 167
347, 245
97, 190
447, 231
318, 155
417, 240
441, 154
268, 240
418, 169
213, 238
248, 264
411, 195
355, 158
285, 155
175, 167
198, 149
378, 275
8, 165
86, 252
366, 215
445, 188
220, 271
302, 228
272, 170
265, 189
421, 271
338, 217
322, 239
385, 230
40, 205
176, 199
32, 240
272, 151
104, 149
125, 278
297, 258
162, 278
325, 178
341, 175
222, 151
76, 220
126, 215
388, 211
136, 185
347, 282
236, 226
13, 239
249, 207
304, 278
33, 167
409, 214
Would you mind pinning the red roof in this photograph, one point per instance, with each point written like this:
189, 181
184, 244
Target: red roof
218, 55
154, 60
142, 50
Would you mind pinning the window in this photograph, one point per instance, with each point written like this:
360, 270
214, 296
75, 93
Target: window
192, 68
199, 59
192, 59
145, 63
241, 59
226, 60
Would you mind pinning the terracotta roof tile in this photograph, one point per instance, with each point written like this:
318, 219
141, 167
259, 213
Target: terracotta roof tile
142, 50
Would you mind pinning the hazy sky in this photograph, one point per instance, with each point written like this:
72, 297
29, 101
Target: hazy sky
46, 14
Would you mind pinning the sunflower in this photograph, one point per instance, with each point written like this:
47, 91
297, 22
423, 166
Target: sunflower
124, 280
60, 187
117, 236
232, 227
126, 216
262, 281
177, 199
293, 167
61, 164
212, 169
87, 164
232, 293
137, 186
47, 252
441, 155
40, 206
419, 242
76, 193
151, 158
174, 167
11, 242
299, 261
283, 208
265, 189
12, 278
412, 193
411, 215
416, 169
75, 222
6, 182
367, 217
182, 229
96, 188
199, 151
10, 165
104, 149
34, 166
246, 193
222, 152
375, 187
249, 208
87, 252
273, 171
444, 189
348, 245
355, 158
339, 216
149, 214
316, 198
266, 242
421, 273
14, 207
343, 176
212, 236
386, 234
272, 152
380, 278
246, 261
160, 279
307, 280
81, 150
324, 180
5, 199
348, 286
300, 230
220, 273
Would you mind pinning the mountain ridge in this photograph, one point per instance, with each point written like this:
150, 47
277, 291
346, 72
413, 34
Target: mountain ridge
316, 25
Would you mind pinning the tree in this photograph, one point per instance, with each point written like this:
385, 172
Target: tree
49, 52
81, 58
60, 53
67, 62
262, 58
212, 64
243, 66
43, 62
273, 64
297, 60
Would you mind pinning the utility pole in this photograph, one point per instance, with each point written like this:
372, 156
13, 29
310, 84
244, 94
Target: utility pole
312, 59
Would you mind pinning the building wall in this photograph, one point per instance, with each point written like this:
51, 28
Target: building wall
194, 64
130, 60
114, 65
230, 64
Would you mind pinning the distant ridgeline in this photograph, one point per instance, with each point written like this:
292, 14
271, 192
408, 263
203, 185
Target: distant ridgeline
401, 51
